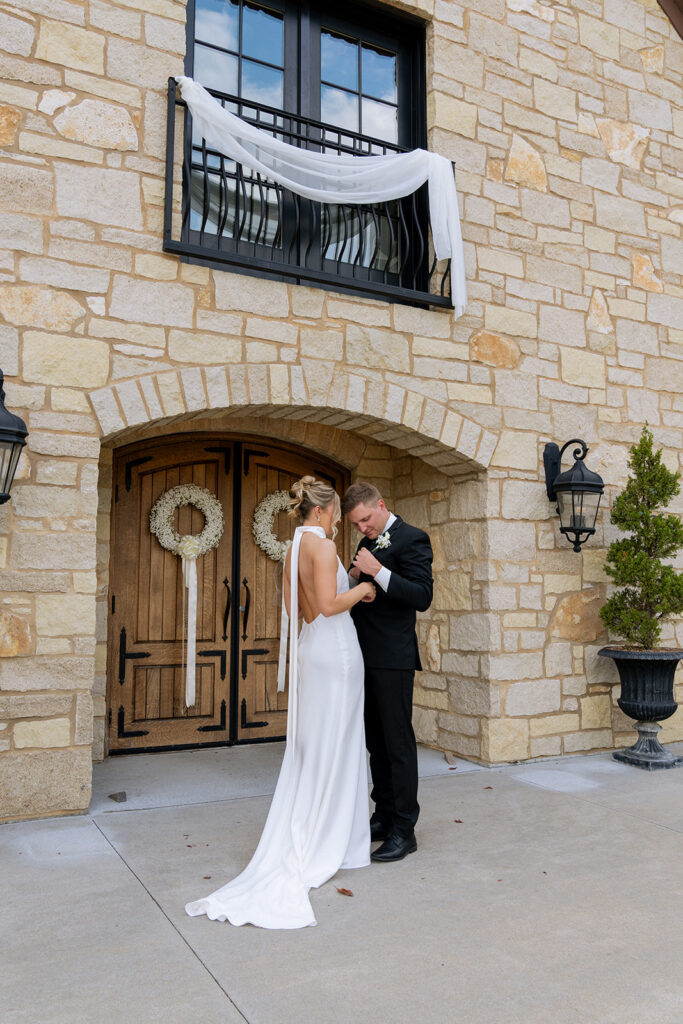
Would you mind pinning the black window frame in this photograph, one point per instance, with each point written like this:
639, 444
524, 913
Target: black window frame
406, 274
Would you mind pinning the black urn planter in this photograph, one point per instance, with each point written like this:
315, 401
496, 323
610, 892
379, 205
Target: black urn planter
647, 695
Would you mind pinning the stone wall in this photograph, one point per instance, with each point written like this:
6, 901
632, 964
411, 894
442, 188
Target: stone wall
565, 121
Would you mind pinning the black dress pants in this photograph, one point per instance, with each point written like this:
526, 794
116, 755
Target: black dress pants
391, 742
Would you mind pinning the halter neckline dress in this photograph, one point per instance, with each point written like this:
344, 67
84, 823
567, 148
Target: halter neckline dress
318, 820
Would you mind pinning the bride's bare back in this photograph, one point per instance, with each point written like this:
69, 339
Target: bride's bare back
318, 580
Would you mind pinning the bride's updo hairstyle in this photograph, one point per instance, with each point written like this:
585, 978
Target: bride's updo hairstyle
308, 492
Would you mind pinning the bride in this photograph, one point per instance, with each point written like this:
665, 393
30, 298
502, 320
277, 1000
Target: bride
318, 821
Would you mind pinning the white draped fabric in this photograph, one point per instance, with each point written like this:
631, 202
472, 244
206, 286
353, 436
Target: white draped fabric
338, 178
190, 584
318, 821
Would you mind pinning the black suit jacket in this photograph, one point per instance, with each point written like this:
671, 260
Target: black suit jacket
386, 626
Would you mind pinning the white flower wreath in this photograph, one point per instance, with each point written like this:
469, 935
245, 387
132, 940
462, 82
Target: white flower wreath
190, 546
264, 520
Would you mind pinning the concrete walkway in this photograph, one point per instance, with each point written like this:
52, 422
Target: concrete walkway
555, 898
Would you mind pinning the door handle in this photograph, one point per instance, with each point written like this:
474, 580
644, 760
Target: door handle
226, 612
245, 609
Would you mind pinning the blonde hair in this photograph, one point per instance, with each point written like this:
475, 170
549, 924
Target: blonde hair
308, 492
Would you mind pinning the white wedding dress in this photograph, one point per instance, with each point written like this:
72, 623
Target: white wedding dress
319, 817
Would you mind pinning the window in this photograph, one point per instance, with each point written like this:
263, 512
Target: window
350, 82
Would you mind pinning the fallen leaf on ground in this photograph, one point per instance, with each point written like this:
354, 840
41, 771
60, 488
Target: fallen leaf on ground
488, 787
458, 821
207, 877
345, 892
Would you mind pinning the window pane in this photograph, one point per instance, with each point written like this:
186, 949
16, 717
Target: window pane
261, 84
380, 120
338, 60
379, 74
263, 35
339, 108
215, 69
217, 21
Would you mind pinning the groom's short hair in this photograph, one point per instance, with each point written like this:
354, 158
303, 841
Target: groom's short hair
360, 493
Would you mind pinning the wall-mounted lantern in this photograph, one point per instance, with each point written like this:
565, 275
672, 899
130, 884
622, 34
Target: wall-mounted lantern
13, 434
577, 491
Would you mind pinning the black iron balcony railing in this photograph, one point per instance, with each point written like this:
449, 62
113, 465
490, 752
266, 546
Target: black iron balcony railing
222, 214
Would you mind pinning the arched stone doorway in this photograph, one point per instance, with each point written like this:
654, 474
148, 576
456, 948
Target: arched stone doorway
428, 482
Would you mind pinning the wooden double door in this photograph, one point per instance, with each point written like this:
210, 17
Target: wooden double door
239, 592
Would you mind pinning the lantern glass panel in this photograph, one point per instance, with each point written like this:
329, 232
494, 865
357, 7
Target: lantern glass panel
9, 457
578, 509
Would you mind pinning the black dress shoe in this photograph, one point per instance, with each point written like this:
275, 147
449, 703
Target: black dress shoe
379, 831
396, 847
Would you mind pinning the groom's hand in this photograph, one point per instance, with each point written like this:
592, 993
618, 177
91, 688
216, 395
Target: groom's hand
366, 562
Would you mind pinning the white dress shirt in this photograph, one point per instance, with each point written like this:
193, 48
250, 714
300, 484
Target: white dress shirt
384, 575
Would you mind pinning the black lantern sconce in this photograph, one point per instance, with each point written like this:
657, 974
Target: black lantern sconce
13, 435
577, 491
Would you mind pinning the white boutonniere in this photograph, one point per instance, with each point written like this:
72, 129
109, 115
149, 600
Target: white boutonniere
383, 541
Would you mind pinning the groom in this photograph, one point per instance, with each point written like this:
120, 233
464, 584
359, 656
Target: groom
398, 557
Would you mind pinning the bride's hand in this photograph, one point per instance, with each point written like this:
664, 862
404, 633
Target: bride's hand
370, 592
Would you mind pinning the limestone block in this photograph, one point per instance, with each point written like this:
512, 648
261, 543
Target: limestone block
599, 37
576, 616
424, 724
44, 782
557, 659
192, 347
511, 667
97, 123
453, 114
153, 302
322, 343
550, 724
586, 369
57, 359
9, 122
592, 740
83, 730
474, 696
372, 347
115, 20
596, 711
525, 165
65, 614
500, 262
545, 746
594, 565
434, 699
601, 174
644, 273
452, 591
21, 233
516, 389
477, 631
650, 111
39, 307
35, 706
140, 64
504, 320
526, 499
61, 274
516, 449
307, 301
250, 294
511, 541
599, 319
70, 46
665, 309
101, 194
555, 100
15, 636
53, 99
653, 59
505, 739
9, 350
463, 724
55, 732
53, 551
664, 375
625, 143
672, 258
533, 697
25, 188
434, 648
637, 337
17, 35
492, 38
33, 500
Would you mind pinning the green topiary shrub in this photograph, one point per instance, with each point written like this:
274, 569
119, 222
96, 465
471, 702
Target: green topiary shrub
651, 590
